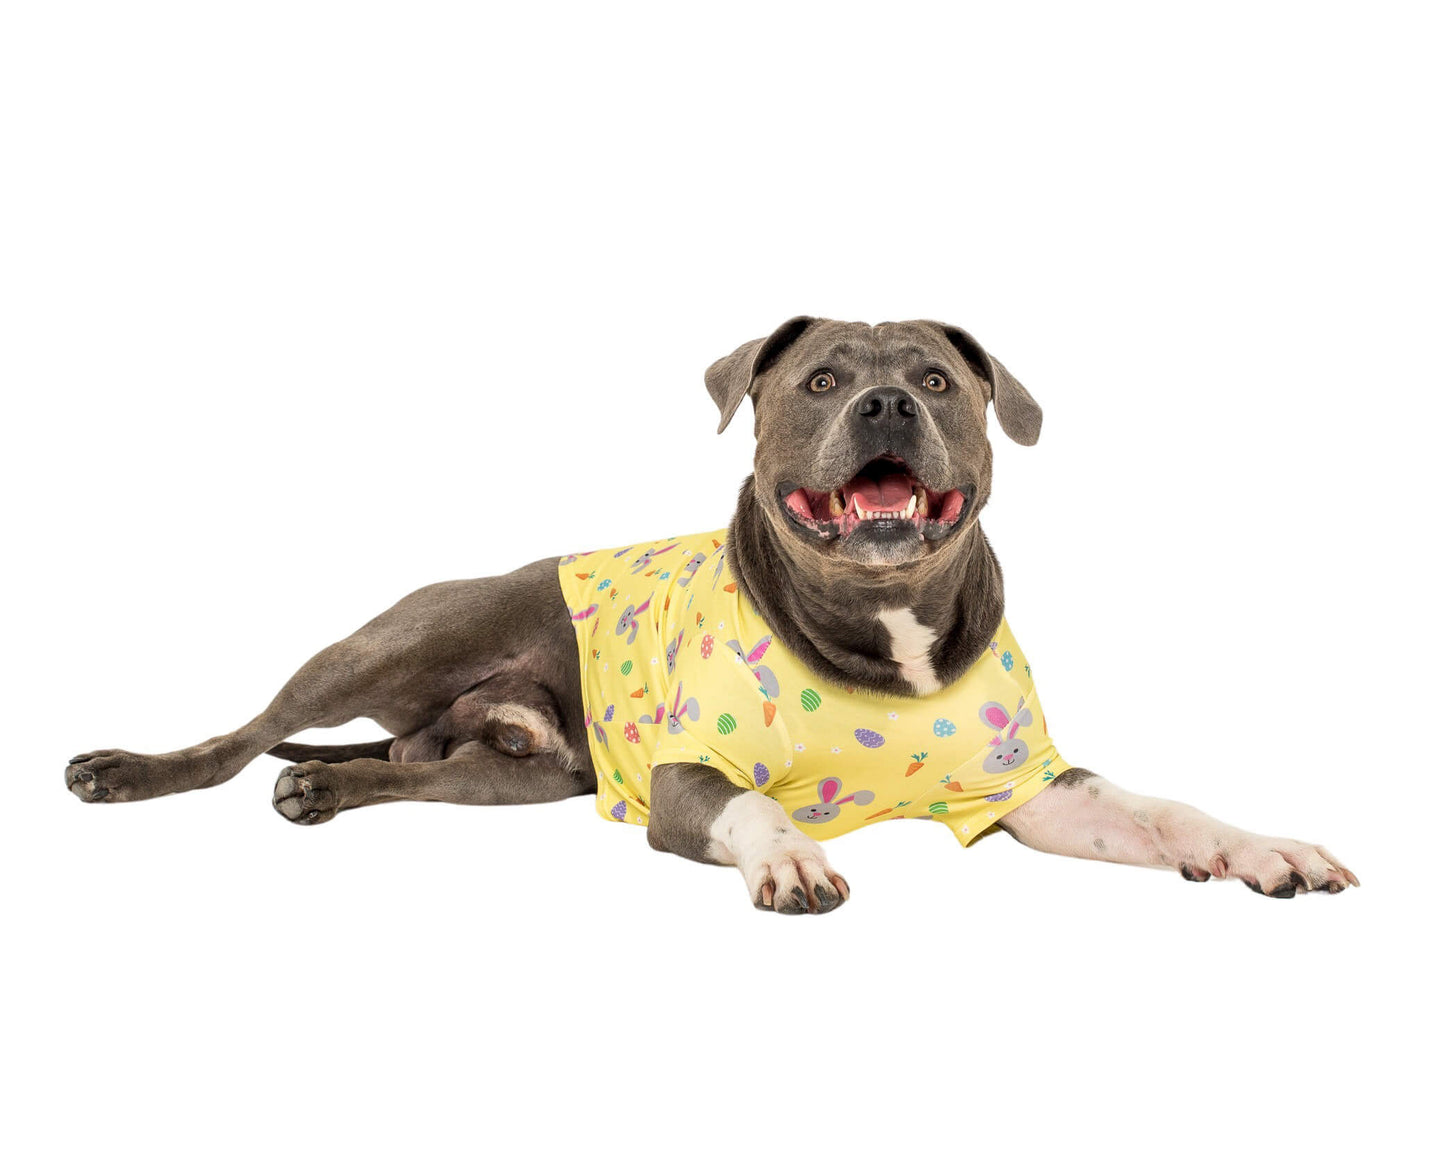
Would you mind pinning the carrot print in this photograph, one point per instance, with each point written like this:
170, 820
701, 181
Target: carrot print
917, 763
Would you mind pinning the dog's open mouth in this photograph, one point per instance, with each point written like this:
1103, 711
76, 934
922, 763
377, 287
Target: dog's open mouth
884, 497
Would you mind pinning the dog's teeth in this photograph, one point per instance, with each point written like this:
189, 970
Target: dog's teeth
921, 496
835, 504
912, 505
858, 507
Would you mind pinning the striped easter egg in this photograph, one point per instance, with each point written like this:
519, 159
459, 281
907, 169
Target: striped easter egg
726, 724
618, 776
938, 808
626, 667
812, 700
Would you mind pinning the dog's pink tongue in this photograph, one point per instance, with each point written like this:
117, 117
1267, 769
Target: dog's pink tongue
890, 492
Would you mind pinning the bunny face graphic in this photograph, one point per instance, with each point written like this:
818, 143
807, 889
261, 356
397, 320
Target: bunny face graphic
829, 805
754, 659
1007, 752
644, 560
628, 621
681, 709
691, 569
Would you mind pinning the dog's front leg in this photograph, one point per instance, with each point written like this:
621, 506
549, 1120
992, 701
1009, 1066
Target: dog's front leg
698, 814
1082, 815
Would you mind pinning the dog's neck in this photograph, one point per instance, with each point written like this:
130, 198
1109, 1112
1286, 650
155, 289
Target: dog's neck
910, 630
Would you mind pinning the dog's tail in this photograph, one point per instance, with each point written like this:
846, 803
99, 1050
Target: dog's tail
305, 752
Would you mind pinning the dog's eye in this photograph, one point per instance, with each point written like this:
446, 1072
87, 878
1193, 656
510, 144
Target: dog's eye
822, 382
935, 381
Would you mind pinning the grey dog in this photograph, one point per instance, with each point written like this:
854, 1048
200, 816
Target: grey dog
485, 701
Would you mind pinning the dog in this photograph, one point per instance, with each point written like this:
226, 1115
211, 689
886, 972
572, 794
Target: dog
741, 691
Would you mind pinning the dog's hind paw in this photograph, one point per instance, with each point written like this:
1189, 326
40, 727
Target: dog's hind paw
305, 794
122, 777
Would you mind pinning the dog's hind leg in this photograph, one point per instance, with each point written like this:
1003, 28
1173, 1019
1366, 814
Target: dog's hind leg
404, 668
474, 773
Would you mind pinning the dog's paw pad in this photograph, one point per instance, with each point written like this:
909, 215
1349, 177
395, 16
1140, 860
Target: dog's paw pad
304, 794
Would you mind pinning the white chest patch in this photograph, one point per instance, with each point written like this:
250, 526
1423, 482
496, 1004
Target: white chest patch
911, 642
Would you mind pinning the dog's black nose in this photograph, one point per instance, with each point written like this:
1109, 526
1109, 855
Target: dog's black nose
887, 402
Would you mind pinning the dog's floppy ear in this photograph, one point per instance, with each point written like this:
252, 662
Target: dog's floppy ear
730, 378
1018, 412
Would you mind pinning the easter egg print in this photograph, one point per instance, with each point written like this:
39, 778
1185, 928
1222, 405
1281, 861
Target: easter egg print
812, 700
760, 774
630, 732
870, 739
611, 710
726, 724
619, 811
999, 798
943, 728
938, 808
706, 644
618, 776
626, 667
1008, 660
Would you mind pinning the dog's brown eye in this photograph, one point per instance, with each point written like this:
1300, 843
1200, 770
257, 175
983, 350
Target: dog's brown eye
935, 381
822, 382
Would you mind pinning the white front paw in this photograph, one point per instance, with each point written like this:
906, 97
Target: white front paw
1280, 867
790, 874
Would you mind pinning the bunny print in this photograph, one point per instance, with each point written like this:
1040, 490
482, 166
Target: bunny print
628, 620
644, 560
681, 709
672, 648
690, 570
1007, 751
753, 658
830, 806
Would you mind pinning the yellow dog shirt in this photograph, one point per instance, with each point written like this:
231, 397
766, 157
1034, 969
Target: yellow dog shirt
677, 667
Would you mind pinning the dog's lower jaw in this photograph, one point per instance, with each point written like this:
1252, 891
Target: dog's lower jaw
784, 869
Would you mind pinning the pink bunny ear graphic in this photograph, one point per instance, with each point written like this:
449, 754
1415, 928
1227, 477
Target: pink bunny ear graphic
757, 652
1013, 729
994, 714
828, 788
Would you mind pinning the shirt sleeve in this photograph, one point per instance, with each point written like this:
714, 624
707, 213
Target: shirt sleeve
689, 747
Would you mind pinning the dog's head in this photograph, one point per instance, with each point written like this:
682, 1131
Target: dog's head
872, 439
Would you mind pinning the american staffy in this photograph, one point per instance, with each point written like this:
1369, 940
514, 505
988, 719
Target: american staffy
836, 658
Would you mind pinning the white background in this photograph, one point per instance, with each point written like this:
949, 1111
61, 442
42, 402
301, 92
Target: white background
307, 305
